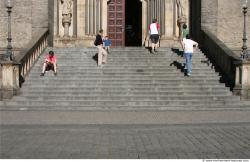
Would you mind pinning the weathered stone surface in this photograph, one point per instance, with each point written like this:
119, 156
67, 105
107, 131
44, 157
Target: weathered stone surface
28, 17
224, 18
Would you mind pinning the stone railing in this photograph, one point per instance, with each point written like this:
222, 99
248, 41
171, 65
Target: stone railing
15, 72
28, 58
229, 64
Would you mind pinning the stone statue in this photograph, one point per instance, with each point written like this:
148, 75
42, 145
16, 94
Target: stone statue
66, 15
67, 7
181, 16
180, 8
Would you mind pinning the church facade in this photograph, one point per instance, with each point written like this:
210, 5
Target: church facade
126, 22
74, 23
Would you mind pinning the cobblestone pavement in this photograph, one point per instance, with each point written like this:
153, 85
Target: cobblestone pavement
216, 141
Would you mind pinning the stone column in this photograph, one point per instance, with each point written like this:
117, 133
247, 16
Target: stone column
242, 79
105, 16
81, 18
144, 22
169, 19
10, 79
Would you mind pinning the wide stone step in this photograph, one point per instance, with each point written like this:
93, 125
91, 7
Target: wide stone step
164, 72
123, 52
124, 71
128, 78
131, 56
129, 61
127, 98
113, 86
102, 106
118, 105
112, 102
138, 73
111, 92
132, 64
117, 83
124, 108
111, 89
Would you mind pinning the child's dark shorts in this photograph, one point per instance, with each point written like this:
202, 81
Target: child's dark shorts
49, 67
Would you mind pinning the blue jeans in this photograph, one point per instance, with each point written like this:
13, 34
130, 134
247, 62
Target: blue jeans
188, 57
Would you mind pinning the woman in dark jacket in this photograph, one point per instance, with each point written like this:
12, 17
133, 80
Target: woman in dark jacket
102, 53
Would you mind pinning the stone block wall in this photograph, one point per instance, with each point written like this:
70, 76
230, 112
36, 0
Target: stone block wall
39, 15
21, 23
209, 15
224, 19
28, 17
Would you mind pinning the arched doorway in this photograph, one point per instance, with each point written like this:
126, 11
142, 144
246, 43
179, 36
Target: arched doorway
133, 23
124, 22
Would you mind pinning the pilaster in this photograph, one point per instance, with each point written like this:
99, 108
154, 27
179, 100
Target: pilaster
242, 79
10, 79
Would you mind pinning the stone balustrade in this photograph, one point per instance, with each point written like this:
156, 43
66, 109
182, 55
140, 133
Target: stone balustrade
236, 71
14, 72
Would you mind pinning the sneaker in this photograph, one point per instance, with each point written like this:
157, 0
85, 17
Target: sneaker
42, 74
55, 74
156, 50
188, 74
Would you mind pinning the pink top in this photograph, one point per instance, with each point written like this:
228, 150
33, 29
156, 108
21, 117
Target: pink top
50, 59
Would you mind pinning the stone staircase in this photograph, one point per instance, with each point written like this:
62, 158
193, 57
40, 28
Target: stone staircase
132, 80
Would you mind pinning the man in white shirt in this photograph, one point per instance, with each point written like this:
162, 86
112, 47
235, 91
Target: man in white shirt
188, 47
154, 28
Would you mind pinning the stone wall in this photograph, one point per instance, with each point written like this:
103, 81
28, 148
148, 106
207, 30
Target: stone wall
39, 15
21, 23
224, 18
28, 17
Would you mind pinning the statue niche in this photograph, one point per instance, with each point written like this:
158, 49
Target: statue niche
181, 16
66, 15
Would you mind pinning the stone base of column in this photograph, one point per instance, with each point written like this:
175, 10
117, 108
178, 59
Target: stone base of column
7, 93
74, 42
244, 92
10, 79
170, 43
242, 79
89, 42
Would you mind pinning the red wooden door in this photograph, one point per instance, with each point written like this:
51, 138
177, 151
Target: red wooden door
116, 22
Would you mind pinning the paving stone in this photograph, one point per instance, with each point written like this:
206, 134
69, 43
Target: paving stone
126, 142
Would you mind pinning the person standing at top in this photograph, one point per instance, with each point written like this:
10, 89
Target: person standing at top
185, 31
188, 47
154, 29
102, 53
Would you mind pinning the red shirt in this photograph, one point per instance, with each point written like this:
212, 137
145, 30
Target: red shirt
52, 59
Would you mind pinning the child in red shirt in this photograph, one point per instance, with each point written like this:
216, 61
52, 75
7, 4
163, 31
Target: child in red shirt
49, 63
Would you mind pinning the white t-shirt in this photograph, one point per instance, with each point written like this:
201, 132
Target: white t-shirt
189, 45
153, 28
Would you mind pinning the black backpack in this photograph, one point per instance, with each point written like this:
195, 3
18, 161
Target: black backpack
95, 42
